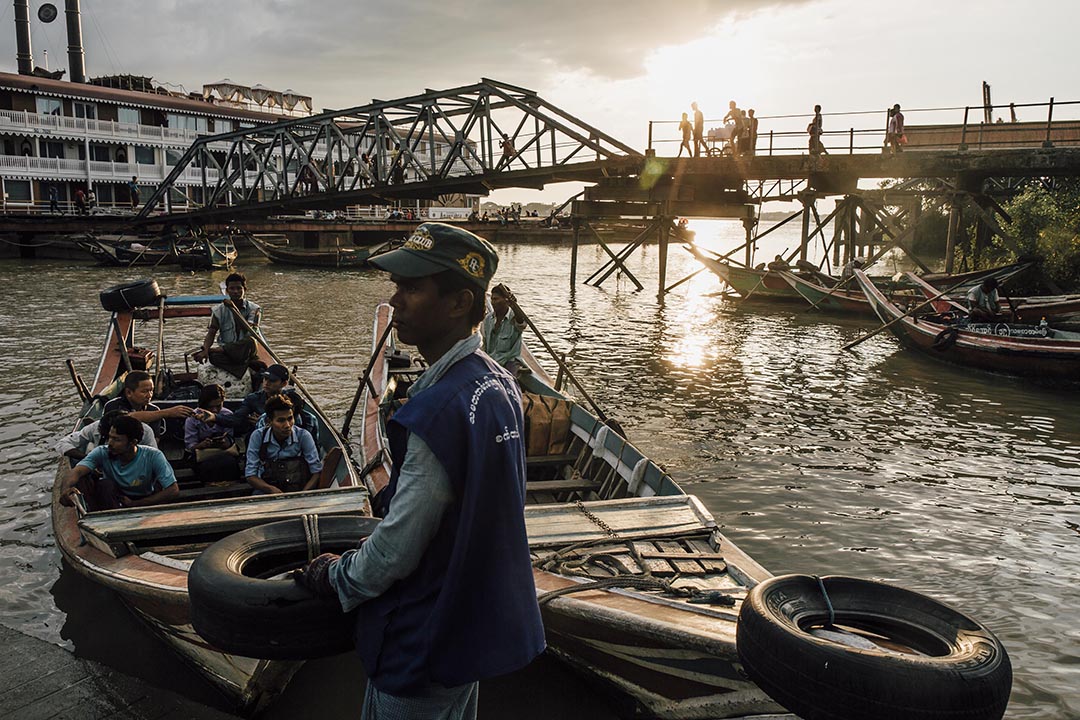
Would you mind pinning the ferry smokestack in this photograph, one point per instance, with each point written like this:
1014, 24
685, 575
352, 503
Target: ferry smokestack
23, 53
77, 69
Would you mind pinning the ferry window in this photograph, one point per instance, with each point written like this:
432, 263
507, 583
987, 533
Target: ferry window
200, 125
104, 193
49, 106
144, 155
52, 149
246, 125
127, 115
99, 153
17, 190
172, 157
85, 110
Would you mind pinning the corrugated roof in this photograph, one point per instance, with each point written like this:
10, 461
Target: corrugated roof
130, 98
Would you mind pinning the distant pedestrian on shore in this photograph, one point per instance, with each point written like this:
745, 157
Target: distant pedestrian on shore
80, 202
54, 200
685, 128
752, 126
699, 130
91, 201
815, 129
133, 192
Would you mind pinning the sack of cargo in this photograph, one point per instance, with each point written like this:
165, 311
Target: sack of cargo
547, 424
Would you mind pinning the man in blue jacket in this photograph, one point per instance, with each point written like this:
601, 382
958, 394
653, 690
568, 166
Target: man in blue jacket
443, 588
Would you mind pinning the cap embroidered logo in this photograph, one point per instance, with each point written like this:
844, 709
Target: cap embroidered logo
473, 264
420, 240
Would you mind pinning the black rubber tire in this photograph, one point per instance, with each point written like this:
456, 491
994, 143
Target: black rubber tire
945, 339
966, 675
130, 295
237, 611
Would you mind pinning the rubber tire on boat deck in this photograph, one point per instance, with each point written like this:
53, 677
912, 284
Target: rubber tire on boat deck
968, 675
130, 295
267, 618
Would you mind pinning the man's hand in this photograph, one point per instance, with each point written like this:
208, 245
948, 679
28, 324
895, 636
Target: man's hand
178, 411
67, 497
127, 502
200, 356
315, 576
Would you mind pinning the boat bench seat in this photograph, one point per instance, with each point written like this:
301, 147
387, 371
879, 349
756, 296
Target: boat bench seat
119, 532
553, 486
541, 460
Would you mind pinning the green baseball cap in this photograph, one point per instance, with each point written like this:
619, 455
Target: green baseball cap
435, 247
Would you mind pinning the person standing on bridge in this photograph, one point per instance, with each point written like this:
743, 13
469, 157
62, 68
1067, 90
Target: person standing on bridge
895, 135
507, 146
685, 128
816, 129
751, 126
699, 130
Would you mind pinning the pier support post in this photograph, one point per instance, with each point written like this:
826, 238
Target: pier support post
954, 230
663, 230
573, 252
804, 243
748, 226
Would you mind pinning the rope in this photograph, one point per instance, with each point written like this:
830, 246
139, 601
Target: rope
28, 245
311, 535
828, 602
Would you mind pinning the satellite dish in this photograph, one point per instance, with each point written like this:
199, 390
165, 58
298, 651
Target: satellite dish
46, 13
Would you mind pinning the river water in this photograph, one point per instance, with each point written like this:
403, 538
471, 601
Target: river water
876, 463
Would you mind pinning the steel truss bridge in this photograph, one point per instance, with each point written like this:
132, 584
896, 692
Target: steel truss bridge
469, 139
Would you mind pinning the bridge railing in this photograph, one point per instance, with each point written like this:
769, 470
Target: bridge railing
1045, 124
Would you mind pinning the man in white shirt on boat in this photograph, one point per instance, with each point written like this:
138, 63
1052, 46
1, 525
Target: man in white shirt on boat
236, 349
983, 304
82, 442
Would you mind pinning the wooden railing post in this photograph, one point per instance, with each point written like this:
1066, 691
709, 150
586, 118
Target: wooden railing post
963, 130
851, 141
650, 134
1049, 123
770, 142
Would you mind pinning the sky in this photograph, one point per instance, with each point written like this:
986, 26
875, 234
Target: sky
616, 64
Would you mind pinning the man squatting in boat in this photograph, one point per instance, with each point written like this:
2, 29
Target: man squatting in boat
501, 330
443, 587
983, 304
237, 349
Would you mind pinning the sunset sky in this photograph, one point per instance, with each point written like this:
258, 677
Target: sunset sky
614, 64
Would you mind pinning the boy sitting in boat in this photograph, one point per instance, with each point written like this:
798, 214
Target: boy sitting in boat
236, 351
303, 417
983, 304
282, 457
135, 399
80, 443
209, 441
131, 475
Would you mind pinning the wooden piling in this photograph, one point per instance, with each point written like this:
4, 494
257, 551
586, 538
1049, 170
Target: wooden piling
573, 254
663, 230
954, 230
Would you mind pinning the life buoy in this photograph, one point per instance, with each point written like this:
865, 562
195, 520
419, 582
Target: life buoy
130, 295
940, 663
945, 339
239, 607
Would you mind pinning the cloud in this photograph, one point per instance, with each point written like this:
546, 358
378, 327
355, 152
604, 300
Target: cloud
345, 53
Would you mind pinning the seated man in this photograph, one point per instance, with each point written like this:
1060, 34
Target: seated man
132, 475
135, 399
203, 430
303, 417
983, 303
237, 349
779, 263
246, 417
282, 457
80, 443
850, 267
501, 330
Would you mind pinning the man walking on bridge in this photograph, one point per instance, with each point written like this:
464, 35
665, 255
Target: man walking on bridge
699, 130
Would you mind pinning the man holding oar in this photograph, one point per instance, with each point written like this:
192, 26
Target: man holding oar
237, 346
443, 588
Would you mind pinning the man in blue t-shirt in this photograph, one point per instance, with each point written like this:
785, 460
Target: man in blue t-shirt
131, 475
443, 588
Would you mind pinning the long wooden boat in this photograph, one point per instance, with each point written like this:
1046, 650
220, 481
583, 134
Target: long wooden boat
338, 257
748, 282
610, 534
144, 553
998, 347
1030, 309
127, 250
205, 253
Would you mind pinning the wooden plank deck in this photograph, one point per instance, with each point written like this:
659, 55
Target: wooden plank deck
40, 680
661, 517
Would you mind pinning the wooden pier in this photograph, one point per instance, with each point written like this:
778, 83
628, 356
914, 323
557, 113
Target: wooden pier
41, 680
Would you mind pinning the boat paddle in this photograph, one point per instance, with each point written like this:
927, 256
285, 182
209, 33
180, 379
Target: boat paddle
259, 339
913, 310
365, 381
551, 351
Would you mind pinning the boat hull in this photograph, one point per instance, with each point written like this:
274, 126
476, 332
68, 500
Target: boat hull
749, 283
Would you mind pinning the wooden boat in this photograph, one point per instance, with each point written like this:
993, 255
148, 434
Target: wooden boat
127, 250
205, 253
748, 282
144, 553
608, 529
1031, 309
1015, 349
338, 257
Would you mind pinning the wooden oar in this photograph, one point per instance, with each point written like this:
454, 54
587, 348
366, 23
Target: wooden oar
159, 376
365, 380
121, 344
259, 339
915, 309
551, 351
